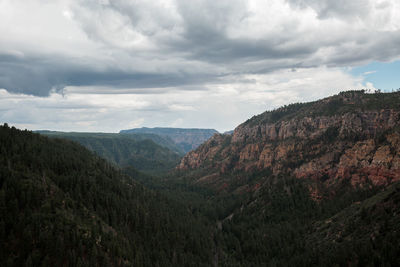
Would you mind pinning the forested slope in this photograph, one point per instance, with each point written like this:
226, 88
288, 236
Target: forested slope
60, 205
319, 190
148, 153
185, 139
284, 173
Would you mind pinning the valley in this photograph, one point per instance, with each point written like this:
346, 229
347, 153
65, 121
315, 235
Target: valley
149, 153
185, 139
307, 184
209, 133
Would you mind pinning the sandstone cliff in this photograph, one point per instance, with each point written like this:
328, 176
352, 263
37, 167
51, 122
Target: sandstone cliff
351, 136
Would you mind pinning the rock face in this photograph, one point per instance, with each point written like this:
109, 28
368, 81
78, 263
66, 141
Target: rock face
369, 123
359, 145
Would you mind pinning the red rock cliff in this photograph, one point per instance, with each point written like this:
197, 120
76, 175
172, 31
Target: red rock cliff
360, 145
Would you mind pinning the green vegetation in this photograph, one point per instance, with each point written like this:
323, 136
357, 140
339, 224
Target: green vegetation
185, 139
344, 102
280, 225
163, 141
364, 234
60, 205
139, 151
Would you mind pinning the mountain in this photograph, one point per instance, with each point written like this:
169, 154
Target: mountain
186, 139
61, 205
352, 136
370, 228
308, 184
160, 140
148, 153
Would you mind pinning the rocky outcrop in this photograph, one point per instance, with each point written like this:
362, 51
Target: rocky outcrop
365, 161
367, 123
197, 158
360, 146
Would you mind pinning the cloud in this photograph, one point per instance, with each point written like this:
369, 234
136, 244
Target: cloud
39, 76
133, 45
221, 105
352, 10
369, 72
106, 65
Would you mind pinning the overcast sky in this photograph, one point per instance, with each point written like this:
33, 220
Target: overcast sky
107, 65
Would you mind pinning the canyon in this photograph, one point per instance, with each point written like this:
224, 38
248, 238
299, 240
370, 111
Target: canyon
356, 144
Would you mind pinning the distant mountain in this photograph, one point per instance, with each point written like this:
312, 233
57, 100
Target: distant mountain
164, 141
308, 184
128, 150
61, 205
186, 139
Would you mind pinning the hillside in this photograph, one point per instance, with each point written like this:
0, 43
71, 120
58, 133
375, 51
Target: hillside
313, 184
186, 139
137, 150
370, 229
60, 205
159, 140
352, 137
306, 188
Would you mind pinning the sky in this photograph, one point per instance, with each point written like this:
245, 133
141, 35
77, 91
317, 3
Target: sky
107, 65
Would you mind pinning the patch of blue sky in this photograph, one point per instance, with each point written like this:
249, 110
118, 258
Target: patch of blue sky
383, 75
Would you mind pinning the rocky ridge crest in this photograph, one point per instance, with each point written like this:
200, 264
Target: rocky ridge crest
356, 144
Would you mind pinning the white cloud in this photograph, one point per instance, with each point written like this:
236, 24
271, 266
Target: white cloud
178, 107
135, 123
222, 106
111, 64
133, 44
369, 72
177, 123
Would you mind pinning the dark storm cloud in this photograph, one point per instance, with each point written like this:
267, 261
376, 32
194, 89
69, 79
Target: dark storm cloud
38, 76
222, 50
27, 76
205, 36
205, 27
379, 46
186, 44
